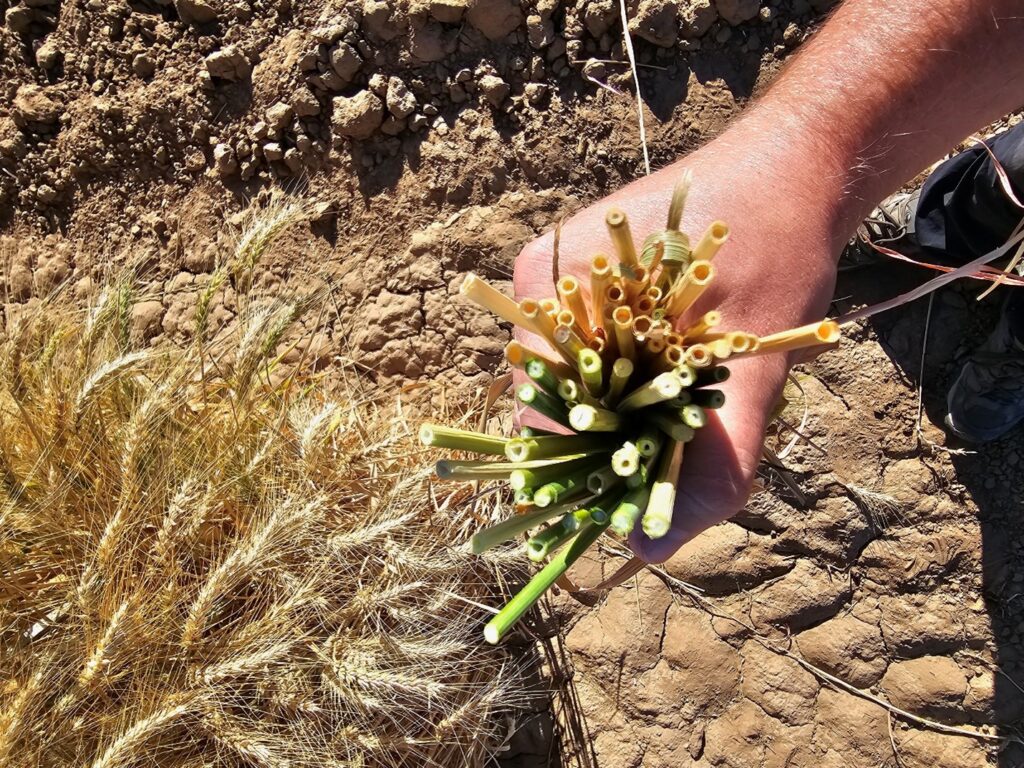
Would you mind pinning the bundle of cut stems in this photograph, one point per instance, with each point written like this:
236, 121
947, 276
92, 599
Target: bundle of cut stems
628, 383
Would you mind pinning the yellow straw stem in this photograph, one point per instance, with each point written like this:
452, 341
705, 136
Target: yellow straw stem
572, 297
739, 342
645, 305
670, 357
658, 517
550, 307
623, 319
540, 323
614, 295
490, 298
721, 349
689, 287
600, 279
518, 355
568, 342
823, 332
642, 326
622, 238
707, 321
698, 356
636, 284
714, 237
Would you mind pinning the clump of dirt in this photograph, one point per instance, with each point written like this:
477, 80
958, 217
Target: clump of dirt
438, 136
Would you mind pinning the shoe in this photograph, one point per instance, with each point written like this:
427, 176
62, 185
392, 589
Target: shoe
987, 399
891, 224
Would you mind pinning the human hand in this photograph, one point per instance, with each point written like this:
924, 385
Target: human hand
776, 271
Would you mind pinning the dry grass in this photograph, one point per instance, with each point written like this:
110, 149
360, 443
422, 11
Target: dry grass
201, 567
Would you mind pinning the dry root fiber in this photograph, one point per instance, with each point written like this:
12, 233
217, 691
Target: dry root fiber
201, 568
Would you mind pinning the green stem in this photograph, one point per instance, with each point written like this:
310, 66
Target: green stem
555, 535
572, 392
669, 423
709, 398
591, 371
601, 479
587, 418
648, 443
560, 489
557, 445
622, 369
715, 375
488, 470
461, 440
541, 374
497, 534
626, 460
657, 518
543, 403
528, 596
662, 387
693, 416
629, 510
546, 471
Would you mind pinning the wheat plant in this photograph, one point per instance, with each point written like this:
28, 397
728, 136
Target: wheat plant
200, 567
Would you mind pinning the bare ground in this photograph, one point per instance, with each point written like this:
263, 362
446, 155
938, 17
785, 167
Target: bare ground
439, 139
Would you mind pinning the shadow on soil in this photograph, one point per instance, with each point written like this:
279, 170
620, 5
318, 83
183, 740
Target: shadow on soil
989, 473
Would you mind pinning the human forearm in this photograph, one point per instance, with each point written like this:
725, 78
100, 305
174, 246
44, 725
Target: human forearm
883, 90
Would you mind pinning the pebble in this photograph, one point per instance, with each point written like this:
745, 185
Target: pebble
494, 89
279, 116
229, 63
400, 100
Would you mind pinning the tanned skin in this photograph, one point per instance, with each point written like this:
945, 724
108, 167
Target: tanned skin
880, 92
